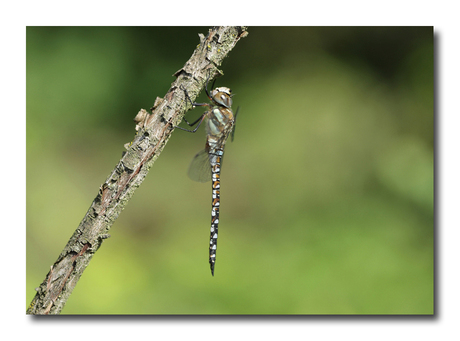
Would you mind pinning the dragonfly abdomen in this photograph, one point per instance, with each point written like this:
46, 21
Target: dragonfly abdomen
216, 160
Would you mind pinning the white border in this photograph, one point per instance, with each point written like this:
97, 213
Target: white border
441, 14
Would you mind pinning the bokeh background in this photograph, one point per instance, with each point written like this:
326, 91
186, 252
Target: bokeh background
327, 190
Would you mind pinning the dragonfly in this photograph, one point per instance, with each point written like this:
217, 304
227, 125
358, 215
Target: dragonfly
206, 165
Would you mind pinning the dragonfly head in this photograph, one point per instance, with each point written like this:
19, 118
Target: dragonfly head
222, 96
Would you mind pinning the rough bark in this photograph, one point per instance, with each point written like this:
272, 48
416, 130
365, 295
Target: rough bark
154, 131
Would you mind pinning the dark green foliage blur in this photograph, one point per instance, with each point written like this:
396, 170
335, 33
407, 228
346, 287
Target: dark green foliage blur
327, 190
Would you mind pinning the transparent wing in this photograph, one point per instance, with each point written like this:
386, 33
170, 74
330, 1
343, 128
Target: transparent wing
200, 167
234, 123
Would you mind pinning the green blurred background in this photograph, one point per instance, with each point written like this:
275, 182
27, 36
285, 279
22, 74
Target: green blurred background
327, 190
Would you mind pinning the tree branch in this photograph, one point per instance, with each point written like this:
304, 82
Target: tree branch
154, 131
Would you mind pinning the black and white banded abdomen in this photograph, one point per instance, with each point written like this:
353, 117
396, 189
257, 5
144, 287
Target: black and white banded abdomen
216, 161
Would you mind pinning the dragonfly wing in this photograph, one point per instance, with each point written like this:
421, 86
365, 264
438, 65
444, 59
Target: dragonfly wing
234, 123
200, 167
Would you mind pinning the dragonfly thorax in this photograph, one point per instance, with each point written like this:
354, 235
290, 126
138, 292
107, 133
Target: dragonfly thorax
222, 96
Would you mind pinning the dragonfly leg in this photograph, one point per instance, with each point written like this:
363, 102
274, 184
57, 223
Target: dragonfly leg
190, 100
201, 119
192, 124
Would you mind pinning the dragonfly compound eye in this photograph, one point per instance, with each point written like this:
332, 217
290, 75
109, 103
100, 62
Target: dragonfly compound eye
222, 96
